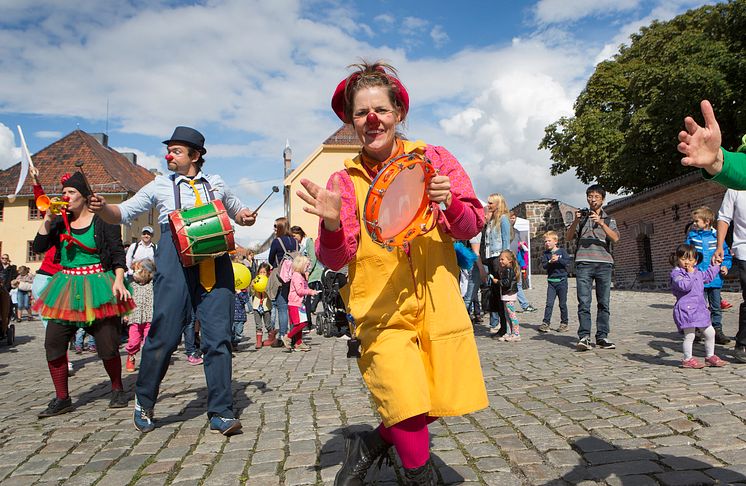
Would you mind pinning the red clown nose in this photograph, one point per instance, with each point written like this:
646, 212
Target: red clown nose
169, 157
371, 120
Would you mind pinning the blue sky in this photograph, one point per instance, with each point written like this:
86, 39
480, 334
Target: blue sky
484, 78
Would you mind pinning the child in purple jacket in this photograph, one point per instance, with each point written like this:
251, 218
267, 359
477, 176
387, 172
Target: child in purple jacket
690, 311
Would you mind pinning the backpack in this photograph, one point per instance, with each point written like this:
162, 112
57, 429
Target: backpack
285, 272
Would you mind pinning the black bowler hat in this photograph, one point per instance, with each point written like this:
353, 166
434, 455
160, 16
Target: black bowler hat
190, 137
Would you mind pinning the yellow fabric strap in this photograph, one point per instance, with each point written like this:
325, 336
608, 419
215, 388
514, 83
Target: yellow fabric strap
207, 266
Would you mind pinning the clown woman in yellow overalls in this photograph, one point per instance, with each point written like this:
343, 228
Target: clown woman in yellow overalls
418, 354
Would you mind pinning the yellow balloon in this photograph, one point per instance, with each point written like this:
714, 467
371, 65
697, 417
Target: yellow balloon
260, 283
241, 275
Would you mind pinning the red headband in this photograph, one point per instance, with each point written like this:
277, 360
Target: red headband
338, 99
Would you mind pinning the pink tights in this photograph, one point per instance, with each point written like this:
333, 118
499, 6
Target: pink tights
411, 439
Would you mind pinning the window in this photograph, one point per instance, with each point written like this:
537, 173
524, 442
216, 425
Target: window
645, 254
2, 210
33, 211
30, 255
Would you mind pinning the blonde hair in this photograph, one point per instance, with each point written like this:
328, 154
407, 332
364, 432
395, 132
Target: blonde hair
704, 213
513, 263
300, 263
501, 208
551, 234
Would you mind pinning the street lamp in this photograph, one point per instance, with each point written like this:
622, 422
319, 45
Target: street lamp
287, 156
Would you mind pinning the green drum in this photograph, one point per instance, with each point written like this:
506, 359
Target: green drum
201, 232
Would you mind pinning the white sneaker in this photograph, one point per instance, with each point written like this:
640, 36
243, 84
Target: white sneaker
494, 330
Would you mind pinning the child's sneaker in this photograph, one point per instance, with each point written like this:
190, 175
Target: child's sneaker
78, 350
691, 363
724, 304
92, 349
544, 327
715, 361
130, 363
302, 347
194, 360
563, 327
494, 330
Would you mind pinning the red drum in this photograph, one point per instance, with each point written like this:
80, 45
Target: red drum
397, 208
201, 232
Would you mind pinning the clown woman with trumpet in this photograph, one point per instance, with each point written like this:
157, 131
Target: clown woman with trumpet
88, 292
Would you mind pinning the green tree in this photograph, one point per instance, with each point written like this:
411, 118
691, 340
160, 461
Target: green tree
627, 118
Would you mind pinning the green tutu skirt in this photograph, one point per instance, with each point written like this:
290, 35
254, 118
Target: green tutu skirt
78, 300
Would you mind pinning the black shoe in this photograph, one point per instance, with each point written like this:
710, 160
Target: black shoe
361, 451
605, 344
421, 476
739, 353
584, 344
721, 338
118, 399
57, 407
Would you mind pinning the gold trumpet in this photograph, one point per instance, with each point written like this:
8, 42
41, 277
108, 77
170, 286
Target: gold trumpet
54, 205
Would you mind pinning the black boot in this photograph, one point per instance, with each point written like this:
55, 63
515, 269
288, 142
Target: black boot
721, 338
361, 450
421, 476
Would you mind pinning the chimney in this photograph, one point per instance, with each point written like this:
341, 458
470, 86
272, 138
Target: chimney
101, 138
131, 156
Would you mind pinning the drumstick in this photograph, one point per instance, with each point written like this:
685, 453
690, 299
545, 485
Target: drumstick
274, 190
79, 165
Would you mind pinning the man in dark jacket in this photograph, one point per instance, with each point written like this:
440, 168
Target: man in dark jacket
8, 273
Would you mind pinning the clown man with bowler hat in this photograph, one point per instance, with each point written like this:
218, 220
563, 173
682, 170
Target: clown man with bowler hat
206, 289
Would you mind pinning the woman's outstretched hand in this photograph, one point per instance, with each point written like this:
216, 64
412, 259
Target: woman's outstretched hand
701, 145
324, 203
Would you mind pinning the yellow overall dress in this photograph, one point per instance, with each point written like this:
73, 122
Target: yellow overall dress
418, 354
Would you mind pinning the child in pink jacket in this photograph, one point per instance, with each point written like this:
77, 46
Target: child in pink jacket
293, 340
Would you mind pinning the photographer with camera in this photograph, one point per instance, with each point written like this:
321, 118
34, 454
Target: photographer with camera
594, 232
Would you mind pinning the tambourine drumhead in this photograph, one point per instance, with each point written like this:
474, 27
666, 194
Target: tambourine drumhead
401, 203
397, 208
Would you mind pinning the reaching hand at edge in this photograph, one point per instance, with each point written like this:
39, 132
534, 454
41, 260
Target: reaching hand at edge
701, 145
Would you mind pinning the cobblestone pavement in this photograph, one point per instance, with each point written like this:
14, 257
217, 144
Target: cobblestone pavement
628, 416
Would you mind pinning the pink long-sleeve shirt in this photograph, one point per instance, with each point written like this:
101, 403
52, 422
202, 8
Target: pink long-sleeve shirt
298, 290
463, 219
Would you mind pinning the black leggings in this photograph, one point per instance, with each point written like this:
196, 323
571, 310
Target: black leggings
105, 331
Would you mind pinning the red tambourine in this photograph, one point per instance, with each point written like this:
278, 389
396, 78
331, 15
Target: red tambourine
397, 208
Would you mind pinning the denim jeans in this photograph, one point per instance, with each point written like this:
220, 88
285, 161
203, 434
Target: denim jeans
280, 307
189, 343
237, 331
716, 313
586, 273
471, 299
741, 335
559, 290
80, 335
522, 300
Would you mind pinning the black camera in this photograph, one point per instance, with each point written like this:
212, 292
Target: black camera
584, 213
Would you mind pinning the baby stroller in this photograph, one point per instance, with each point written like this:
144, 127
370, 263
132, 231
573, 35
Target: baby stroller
333, 317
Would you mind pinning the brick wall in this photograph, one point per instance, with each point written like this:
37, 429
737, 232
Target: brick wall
662, 213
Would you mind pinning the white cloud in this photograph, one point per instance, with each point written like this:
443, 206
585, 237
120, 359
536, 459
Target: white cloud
9, 153
48, 134
553, 11
439, 36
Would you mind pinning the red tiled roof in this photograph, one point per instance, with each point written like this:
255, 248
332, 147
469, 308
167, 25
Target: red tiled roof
344, 136
107, 170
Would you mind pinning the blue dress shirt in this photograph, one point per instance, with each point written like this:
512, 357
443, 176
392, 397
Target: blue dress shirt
160, 193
